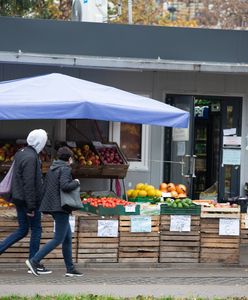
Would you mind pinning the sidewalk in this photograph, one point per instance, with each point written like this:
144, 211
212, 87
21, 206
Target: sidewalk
127, 282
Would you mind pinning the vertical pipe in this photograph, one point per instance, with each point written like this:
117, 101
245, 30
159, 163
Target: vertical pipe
130, 11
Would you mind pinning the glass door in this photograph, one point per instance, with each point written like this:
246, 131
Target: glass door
179, 158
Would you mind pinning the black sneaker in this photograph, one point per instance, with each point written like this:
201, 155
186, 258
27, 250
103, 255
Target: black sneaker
73, 273
41, 270
32, 267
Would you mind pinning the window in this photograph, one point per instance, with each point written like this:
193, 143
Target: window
133, 141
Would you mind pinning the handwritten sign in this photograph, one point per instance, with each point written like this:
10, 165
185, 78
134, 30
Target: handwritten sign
229, 227
141, 224
180, 223
107, 228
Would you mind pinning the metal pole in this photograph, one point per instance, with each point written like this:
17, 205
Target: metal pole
130, 11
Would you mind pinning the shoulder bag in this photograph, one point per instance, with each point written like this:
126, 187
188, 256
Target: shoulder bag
71, 200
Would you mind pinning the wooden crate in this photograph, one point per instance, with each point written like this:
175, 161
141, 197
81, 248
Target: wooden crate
216, 248
19, 252
138, 246
243, 229
92, 248
179, 247
220, 212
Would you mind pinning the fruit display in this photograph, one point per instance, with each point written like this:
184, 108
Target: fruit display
110, 155
85, 156
108, 202
215, 204
5, 204
7, 152
175, 190
143, 190
179, 203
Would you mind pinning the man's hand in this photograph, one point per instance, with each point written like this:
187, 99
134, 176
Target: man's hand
30, 214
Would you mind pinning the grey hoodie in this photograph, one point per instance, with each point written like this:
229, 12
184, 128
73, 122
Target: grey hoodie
37, 139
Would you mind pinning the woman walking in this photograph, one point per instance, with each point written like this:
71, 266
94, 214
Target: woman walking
58, 177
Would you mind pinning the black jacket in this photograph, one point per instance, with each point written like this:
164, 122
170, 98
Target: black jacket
26, 182
58, 177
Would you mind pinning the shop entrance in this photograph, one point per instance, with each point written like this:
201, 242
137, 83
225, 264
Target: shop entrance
200, 157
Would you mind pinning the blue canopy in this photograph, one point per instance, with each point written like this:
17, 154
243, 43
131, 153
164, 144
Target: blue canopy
58, 96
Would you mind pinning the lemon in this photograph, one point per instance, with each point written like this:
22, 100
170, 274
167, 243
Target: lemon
158, 193
129, 193
139, 186
142, 193
135, 193
151, 192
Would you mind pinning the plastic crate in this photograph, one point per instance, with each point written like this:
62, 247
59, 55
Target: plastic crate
144, 199
194, 210
119, 210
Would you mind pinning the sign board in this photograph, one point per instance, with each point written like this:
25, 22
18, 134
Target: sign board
231, 157
141, 224
180, 134
180, 223
232, 141
107, 228
229, 226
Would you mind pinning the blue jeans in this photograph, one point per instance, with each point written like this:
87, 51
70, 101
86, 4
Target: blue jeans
62, 235
25, 223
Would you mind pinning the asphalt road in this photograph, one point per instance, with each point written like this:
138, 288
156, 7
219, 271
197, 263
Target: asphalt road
128, 282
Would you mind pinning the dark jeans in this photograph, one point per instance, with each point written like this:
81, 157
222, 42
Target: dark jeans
25, 223
62, 235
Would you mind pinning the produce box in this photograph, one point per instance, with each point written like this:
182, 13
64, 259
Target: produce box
86, 161
110, 211
113, 159
220, 212
194, 210
144, 199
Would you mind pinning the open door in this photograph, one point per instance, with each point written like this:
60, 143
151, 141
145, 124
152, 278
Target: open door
197, 157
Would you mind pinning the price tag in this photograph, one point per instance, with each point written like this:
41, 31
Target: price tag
107, 228
130, 208
166, 195
141, 224
180, 223
72, 223
229, 227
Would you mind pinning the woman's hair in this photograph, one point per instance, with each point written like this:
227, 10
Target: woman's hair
64, 153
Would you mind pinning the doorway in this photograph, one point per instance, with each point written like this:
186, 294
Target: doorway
201, 150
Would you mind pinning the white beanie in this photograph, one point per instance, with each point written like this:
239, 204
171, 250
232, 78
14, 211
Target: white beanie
37, 139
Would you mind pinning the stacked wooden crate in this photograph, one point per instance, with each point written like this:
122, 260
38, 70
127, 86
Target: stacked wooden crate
19, 252
138, 246
179, 247
216, 248
244, 229
91, 247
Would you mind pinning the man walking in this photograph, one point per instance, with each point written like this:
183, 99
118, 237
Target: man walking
26, 193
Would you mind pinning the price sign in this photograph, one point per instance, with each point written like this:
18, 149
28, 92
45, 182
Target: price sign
107, 228
180, 223
71, 144
229, 227
141, 224
130, 208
